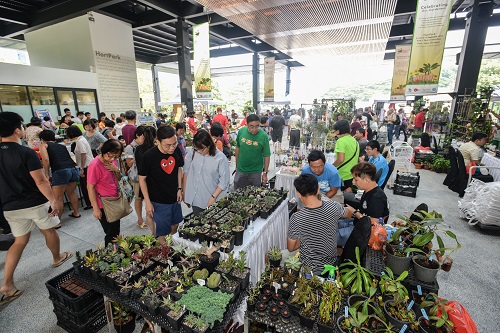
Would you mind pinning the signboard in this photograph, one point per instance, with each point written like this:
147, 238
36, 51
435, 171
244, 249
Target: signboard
429, 36
401, 62
269, 63
201, 60
41, 113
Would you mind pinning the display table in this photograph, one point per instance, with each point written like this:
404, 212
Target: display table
285, 181
267, 233
487, 160
330, 157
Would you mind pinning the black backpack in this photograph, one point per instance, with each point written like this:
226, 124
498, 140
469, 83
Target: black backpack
398, 120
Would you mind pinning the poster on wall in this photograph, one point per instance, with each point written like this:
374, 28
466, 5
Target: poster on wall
41, 113
401, 62
429, 36
201, 47
269, 63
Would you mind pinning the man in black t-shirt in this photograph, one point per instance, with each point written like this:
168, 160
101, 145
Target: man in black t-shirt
277, 124
160, 180
24, 195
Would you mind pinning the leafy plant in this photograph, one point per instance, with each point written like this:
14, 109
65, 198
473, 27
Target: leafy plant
121, 314
355, 277
274, 253
293, 262
214, 280
438, 312
393, 286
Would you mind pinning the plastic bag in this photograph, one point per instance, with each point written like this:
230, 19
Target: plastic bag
378, 236
460, 318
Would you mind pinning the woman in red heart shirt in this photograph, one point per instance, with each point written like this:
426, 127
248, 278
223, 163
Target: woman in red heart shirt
160, 178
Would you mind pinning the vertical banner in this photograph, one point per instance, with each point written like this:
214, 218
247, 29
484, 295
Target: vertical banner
201, 47
269, 79
401, 62
429, 36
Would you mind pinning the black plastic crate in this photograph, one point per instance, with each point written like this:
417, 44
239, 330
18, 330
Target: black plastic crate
292, 208
75, 304
407, 178
94, 325
405, 190
79, 318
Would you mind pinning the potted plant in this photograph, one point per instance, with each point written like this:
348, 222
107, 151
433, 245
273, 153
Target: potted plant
274, 312
189, 323
438, 321
418, 163
285, 315
356, 321
330, 303
308, 315
274, 255
397, 310
389, 285
238, 229
355, 277
253, 297
293, 264
123, 319
226, 266
240, 270
200, 326
175, 315
213, 281
209, 258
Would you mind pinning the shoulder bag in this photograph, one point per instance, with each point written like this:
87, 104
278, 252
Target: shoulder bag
349, 160
116, 208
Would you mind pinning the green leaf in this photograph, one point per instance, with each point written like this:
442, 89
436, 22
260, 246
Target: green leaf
402, 276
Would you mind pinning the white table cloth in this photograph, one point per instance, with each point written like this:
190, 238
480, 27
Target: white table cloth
285, 181
267, 233
488, 160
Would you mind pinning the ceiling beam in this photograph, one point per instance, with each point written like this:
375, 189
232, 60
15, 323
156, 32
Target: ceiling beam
151, 18
405, 7
145, 58
169, 7
13, 16
231, 33
56, 13
213, 18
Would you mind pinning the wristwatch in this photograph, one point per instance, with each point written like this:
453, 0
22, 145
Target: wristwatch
179, 189
355, 212
265, 172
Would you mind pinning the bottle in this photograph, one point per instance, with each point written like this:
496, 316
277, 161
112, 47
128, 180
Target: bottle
381, 221
250, 227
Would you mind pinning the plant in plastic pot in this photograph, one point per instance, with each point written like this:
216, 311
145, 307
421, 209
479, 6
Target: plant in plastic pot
240, 270
438, 321
275, 256
308, 315
209, 258
123, 319
293, 263
355, 278
357, 321
330, 303
189, 323
253, 298
227, 265
397, 310
392, 287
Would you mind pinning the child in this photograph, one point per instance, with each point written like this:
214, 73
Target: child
122, 140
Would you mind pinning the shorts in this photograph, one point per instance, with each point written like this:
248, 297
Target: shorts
165, 216
65, 176
276, 136
244, 179
344, 230
137, 188
23, 221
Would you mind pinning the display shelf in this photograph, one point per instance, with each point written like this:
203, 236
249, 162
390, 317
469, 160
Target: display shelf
161, 321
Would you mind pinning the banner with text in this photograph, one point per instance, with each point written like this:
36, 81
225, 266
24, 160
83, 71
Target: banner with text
269, 79
429, 36
401, 62
201, 47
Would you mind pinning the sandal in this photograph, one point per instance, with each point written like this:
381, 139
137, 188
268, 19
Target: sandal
7, 299
74, 216
143, 225
67, 255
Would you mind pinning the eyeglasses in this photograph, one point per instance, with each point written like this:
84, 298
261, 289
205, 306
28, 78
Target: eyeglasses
199, 149
167, 146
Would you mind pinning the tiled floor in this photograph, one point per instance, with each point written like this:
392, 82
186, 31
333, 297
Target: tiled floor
473, 280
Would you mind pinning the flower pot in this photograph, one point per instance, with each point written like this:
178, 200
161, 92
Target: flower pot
175, 319
274, 313
425, 274
397, 264
193, 238
418, 166
274, 263
339, 320
423, 327
186, 328
306, 321
244, 277
201, 236
238, 237
285, 316
250, 306
261, 308
128, 327
322, 328
398, 324
294, 309
426, 167
210, 263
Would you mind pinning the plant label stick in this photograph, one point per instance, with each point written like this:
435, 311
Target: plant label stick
410, 305
419, 289
424, 314
403, 329
346, 312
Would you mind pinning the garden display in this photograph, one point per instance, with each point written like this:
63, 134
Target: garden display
226, 221
167, 282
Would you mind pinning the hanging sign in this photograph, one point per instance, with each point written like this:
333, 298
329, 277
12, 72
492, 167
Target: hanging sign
429, 36
269, 79
401, 62
201, 47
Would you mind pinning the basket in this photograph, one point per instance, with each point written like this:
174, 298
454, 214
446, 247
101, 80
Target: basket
407, 191
407, 178
94, 325
72, 303
82, 318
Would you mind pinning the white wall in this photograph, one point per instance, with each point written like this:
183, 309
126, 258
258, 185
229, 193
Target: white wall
44, 76
65, 45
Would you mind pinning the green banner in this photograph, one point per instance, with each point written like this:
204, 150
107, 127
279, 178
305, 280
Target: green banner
401, 62
429, 36
201, 47
269, 63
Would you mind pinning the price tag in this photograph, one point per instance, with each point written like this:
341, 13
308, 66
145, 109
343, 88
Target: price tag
346, 312
382, 273
407, 254
410, 305
403, 329
276, 287
424, 314
419, 289
202, 282
170, 263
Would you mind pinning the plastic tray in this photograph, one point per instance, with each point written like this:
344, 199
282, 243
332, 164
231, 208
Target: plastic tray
407, 191
75, 304
82, 318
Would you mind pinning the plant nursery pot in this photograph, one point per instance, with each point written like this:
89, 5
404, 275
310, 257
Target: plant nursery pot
356, 298
339, 320
201, 236
175, 320
238, 237
285, 315
325, 328
422, 273
423, 327
397, 264
245, 278
306, 321
398, 324
417, 299
426, 167
274, 313
274, 263
193, 238
210, 263
294, 309
250, 306
128, 327
78, 266
418, 166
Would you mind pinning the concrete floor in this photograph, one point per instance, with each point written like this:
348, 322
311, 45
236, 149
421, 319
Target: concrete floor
473, 283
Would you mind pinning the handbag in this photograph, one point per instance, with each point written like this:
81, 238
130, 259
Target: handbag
115, 208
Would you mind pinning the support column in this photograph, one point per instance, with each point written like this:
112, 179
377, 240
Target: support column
184, 60
471, 55
156, 87
255, 82
288, 81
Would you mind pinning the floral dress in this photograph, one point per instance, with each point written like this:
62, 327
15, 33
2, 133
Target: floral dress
32, 138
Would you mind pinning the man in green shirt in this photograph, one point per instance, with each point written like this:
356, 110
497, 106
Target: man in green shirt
252, 154
347, 152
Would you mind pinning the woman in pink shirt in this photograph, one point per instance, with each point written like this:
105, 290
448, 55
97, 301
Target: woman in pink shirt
103, 175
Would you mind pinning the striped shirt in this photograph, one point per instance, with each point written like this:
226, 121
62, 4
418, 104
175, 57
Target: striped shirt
317, 230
